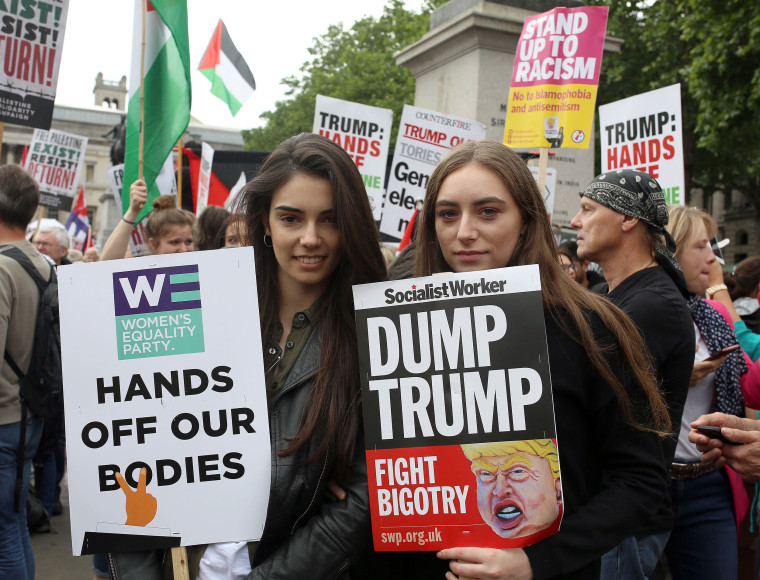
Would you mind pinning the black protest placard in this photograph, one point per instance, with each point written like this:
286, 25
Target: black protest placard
455, 377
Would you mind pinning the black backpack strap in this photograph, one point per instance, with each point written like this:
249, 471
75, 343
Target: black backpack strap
13, 365
20, 461
14, 253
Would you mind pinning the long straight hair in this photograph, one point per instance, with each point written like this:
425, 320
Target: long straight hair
561, 295
332, 412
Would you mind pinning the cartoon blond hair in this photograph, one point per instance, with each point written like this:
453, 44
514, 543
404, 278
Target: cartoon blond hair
543, 448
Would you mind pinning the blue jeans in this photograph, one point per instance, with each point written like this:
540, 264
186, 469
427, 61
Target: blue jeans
44, 480
635, 558
703, 541
16, 557
49, 462
100, 565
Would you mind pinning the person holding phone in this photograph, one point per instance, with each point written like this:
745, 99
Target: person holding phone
704, 494
738, 445
733, 290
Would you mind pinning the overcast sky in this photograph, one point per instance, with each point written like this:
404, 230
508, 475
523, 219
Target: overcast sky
273, 37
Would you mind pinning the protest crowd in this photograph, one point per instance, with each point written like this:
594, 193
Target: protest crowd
640, 443
632, 490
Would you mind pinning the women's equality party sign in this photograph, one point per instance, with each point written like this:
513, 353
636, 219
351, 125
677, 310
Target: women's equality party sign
458, 408
555, 78
167, 431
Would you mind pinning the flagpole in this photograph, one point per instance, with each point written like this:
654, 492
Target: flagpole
140, 161
179, 174
40, 217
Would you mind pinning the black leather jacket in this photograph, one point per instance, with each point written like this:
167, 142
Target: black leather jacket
304, 536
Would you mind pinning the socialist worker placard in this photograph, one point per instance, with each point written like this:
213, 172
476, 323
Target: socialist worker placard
458, 411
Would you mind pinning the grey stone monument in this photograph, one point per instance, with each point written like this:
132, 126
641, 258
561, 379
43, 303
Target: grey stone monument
463, 66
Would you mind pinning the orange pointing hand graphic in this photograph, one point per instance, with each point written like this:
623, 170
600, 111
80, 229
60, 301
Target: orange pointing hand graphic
141, 506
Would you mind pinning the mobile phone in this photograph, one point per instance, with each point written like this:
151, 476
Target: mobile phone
713, 433
724, 351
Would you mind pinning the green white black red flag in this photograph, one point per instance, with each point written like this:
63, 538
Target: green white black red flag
231, 79
167, 92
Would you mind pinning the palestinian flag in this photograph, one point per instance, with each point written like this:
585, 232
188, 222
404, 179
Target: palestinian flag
231, 79
167, 92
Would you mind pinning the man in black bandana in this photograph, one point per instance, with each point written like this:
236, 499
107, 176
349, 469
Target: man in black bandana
621, 226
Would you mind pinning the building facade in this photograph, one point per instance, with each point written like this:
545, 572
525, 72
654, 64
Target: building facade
96, 122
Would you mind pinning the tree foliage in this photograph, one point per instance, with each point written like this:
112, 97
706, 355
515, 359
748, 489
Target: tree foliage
354, 64
711, 47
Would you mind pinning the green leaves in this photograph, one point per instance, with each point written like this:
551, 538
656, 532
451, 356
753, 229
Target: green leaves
711, 47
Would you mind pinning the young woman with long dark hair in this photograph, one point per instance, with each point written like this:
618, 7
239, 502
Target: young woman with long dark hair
313, 234
311, 226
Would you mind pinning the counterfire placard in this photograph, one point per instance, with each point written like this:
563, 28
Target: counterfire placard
458, 409
424, 138
167, 431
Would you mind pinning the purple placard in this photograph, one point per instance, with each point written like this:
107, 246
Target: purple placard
146, 296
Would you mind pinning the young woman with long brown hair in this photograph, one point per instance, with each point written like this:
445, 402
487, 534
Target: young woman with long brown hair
483, 210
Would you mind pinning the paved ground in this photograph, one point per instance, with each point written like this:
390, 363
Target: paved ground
52, 551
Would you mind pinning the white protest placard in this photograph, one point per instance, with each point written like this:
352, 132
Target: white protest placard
364, 132
55, 160
424, 138
116, 175
643, 132
158, 378
204, 177
550, 187
30, 49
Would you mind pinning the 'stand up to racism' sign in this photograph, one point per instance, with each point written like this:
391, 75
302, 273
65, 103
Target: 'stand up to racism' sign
555, 78
458, 411
167, 430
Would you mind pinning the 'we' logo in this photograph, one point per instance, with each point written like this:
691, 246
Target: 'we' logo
158, 312
142, 288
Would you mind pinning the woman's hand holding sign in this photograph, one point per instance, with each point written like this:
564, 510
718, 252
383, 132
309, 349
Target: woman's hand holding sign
141, 506
467, 563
